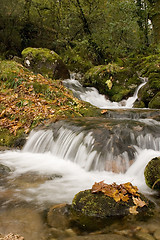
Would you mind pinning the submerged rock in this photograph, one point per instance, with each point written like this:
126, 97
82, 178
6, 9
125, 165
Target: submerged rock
152, 174
92, 211
4, 170
57, 216
46, 62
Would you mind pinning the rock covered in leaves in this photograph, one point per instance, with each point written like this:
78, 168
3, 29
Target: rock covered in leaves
94, 208
152, 174
46, 62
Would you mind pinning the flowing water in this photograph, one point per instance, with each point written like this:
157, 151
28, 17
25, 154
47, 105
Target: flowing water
60, 160
91, 95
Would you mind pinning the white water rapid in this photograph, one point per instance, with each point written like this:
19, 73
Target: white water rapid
64, 164
72, 178
66, 160
91, 95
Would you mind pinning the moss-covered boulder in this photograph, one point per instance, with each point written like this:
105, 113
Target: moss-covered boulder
112, 80
92, 211
46, 62
149, 94
152, 174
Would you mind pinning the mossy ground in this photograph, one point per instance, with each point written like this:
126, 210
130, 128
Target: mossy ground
27, 99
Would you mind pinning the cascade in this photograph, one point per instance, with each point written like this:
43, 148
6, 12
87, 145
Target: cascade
91, 95
71, 155
115, 150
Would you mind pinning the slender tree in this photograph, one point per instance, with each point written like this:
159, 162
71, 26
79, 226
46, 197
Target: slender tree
154, 15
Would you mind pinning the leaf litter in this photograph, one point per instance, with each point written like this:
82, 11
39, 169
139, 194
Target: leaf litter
122, 192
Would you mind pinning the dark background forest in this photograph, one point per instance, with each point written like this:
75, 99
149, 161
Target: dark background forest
94, 31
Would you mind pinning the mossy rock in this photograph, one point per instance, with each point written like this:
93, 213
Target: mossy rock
139, 104
152, 174
10, 140
95, 211
46, 62
149, 67
155, 102
124, 81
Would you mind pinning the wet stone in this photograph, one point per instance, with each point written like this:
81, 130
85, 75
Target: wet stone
4, 170
57, 216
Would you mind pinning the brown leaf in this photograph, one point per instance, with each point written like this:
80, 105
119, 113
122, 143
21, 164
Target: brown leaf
133, 210
138, 202
97, 187
104, 111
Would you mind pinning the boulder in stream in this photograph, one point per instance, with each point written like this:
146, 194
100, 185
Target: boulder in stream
104, 204
46, 62
112, 80
152, 174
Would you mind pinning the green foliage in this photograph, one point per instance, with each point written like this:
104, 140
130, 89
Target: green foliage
96, 30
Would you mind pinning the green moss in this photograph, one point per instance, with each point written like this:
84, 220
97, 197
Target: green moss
9, 70
46, 62
40, 54
8, 139
139, 104
124, 80
152, 174
95, 211
155, 102
40, 88
88, 110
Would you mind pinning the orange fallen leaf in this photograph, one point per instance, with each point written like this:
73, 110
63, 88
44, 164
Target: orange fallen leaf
138, 202
104, 111
133, 210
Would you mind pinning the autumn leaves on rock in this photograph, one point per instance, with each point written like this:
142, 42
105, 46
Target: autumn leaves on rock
122, 192
100, 206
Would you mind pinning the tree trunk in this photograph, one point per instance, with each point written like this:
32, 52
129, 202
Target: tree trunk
155, 18
156, 28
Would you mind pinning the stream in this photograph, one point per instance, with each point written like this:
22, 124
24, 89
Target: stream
66, 157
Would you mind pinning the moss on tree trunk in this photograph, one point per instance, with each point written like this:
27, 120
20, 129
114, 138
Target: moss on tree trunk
155, 18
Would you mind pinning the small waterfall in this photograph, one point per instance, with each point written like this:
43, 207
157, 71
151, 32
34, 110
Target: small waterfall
91, 95
69, 145
110, 150
71, 157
